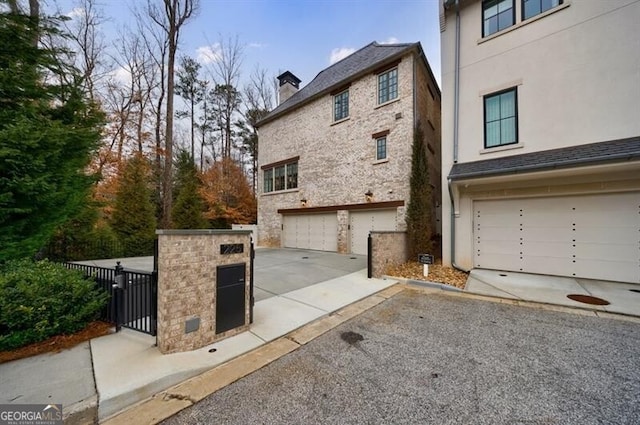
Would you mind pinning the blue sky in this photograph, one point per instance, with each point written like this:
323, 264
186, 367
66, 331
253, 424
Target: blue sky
299, 36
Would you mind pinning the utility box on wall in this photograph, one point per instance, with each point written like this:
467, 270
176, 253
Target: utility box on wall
204, 287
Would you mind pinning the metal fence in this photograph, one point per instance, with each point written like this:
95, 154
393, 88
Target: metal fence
133, 296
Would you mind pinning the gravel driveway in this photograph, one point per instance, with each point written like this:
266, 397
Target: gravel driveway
437, 359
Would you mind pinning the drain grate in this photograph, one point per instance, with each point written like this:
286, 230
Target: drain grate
587, 299
635, 290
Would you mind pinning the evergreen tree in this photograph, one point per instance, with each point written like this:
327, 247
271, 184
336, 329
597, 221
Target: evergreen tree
419, 211
48, 130
188, 207
133, 218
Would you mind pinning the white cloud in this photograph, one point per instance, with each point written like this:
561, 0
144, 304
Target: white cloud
340, 53
208, 54
257, 45
390, 40
121, 75
75, 13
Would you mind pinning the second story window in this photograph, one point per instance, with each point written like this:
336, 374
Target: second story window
501, 118
341, 105
497, 15
531, 8
387, 86
282, 175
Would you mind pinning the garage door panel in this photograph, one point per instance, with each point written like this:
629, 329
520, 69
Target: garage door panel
362, 222
593, 236
311, 231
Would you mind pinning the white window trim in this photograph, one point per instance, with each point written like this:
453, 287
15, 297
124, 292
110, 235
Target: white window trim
520, 23
498, 148
378, 86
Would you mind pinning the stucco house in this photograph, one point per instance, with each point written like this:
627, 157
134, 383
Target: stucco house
335, 155
541, 136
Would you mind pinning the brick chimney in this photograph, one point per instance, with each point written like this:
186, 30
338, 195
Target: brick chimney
289, 85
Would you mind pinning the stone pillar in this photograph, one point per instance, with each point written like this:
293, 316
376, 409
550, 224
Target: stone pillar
388, 248
343, 232
187, 262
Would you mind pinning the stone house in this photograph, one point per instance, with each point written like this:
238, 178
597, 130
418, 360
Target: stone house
335, 156
541, 136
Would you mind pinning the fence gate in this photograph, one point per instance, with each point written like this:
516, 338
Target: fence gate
133, 296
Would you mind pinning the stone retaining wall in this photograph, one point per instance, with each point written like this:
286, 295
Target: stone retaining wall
388, 248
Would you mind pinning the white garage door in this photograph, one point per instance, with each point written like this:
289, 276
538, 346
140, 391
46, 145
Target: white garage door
311, 231
595, 236
362, 222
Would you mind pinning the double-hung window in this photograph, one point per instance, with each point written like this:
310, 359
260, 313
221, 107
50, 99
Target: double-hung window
531, 8
341, 105
497, 15
279, 176
501, 118
387, 86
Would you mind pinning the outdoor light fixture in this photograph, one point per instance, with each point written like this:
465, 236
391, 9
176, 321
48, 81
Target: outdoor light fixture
303, 202
368, 196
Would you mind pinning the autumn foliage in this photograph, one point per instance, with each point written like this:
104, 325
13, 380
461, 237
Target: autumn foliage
227, 194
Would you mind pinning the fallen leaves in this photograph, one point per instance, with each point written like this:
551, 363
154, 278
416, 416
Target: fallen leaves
437, 273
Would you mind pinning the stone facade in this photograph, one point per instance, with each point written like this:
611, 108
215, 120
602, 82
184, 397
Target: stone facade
337, 160
387, 249
187, 261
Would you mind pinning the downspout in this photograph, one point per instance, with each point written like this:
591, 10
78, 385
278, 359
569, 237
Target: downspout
456, 112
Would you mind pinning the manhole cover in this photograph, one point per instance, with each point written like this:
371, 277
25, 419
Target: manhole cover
587, 299
635, 290
351, 337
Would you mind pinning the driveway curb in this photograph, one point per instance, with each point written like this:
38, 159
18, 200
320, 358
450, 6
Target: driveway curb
169, 402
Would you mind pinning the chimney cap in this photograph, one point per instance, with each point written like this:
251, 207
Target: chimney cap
288, 77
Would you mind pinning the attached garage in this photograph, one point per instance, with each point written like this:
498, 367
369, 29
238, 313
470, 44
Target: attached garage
362, 222
311, 231
588, 236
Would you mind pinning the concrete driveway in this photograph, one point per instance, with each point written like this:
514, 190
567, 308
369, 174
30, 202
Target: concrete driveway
435, 359
276, 270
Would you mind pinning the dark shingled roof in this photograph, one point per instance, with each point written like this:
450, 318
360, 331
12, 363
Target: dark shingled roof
591, 154
364, 60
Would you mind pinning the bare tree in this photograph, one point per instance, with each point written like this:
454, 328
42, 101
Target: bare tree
176, 14
84, 31
226, 74
189, 88
259, 99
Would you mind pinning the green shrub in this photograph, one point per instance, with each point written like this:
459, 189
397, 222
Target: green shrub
42, 299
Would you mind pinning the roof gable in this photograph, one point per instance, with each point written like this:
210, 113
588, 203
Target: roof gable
364, 60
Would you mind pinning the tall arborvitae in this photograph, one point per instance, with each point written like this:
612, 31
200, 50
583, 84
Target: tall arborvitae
133, 218
419, 212
48, 131
188, 207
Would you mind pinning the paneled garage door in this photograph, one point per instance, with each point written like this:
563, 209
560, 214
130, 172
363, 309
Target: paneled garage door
362, 222
311, 231
595, 236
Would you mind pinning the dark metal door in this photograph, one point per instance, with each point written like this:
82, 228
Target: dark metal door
230, 297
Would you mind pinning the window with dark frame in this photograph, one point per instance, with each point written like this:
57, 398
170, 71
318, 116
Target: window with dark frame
387, 86
281, 177
278, 178
501, 118
341, 105
268, 180
497, 15
381, 148
531, 8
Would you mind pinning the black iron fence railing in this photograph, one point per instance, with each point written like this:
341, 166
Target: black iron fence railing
133, 296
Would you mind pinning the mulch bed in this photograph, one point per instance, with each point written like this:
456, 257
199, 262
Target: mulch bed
437, 273
58, 343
